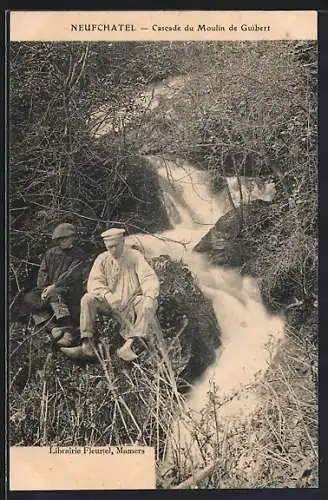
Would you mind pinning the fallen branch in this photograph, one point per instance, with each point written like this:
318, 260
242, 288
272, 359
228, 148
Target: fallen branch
196, 478
104, 221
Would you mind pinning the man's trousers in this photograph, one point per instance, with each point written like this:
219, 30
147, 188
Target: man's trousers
56, 306
134, 322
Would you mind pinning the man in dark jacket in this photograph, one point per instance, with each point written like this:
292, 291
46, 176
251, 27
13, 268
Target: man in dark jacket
55, 302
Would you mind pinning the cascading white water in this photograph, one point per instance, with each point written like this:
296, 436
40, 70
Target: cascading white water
249, 335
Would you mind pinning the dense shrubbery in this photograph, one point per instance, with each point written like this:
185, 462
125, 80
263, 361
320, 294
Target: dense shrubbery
69, 393
273, 446
250, 109
58, 170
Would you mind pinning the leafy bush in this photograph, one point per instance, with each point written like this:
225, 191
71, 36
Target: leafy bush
250, 109
58, 170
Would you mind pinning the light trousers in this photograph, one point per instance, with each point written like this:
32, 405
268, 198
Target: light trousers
134, 320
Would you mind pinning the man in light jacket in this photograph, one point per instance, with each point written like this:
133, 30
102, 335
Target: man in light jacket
122, 284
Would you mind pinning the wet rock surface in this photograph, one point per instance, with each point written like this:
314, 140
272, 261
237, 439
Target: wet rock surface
232, 241
180, 299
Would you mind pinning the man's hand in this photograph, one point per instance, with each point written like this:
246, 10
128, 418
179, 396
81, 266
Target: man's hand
149, 307
113, 304
46, 293
149, 304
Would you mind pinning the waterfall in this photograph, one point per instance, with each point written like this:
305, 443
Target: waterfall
250, 335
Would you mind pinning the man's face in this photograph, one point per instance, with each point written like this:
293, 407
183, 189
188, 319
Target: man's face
115, 247
67, 242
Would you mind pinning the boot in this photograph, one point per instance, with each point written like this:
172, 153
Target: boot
88, 348
73, 352
125, 352
68, 338
82, 352
56, 333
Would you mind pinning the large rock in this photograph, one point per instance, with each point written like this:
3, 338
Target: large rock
179, 299
232, 241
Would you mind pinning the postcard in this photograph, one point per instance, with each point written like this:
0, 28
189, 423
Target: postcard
163, 253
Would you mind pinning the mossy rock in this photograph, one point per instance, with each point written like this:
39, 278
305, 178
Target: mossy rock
232, 241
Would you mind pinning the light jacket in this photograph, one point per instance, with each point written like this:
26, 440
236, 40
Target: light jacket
135, 276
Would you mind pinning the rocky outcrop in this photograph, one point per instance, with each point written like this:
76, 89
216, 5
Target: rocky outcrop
232, 241
180, 299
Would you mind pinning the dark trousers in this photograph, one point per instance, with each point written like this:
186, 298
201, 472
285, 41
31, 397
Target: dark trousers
57, 305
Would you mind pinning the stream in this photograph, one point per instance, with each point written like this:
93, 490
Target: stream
250, 336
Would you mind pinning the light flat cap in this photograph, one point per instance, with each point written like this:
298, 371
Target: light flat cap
113, 234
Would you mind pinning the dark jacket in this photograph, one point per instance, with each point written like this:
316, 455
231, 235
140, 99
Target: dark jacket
65, 269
